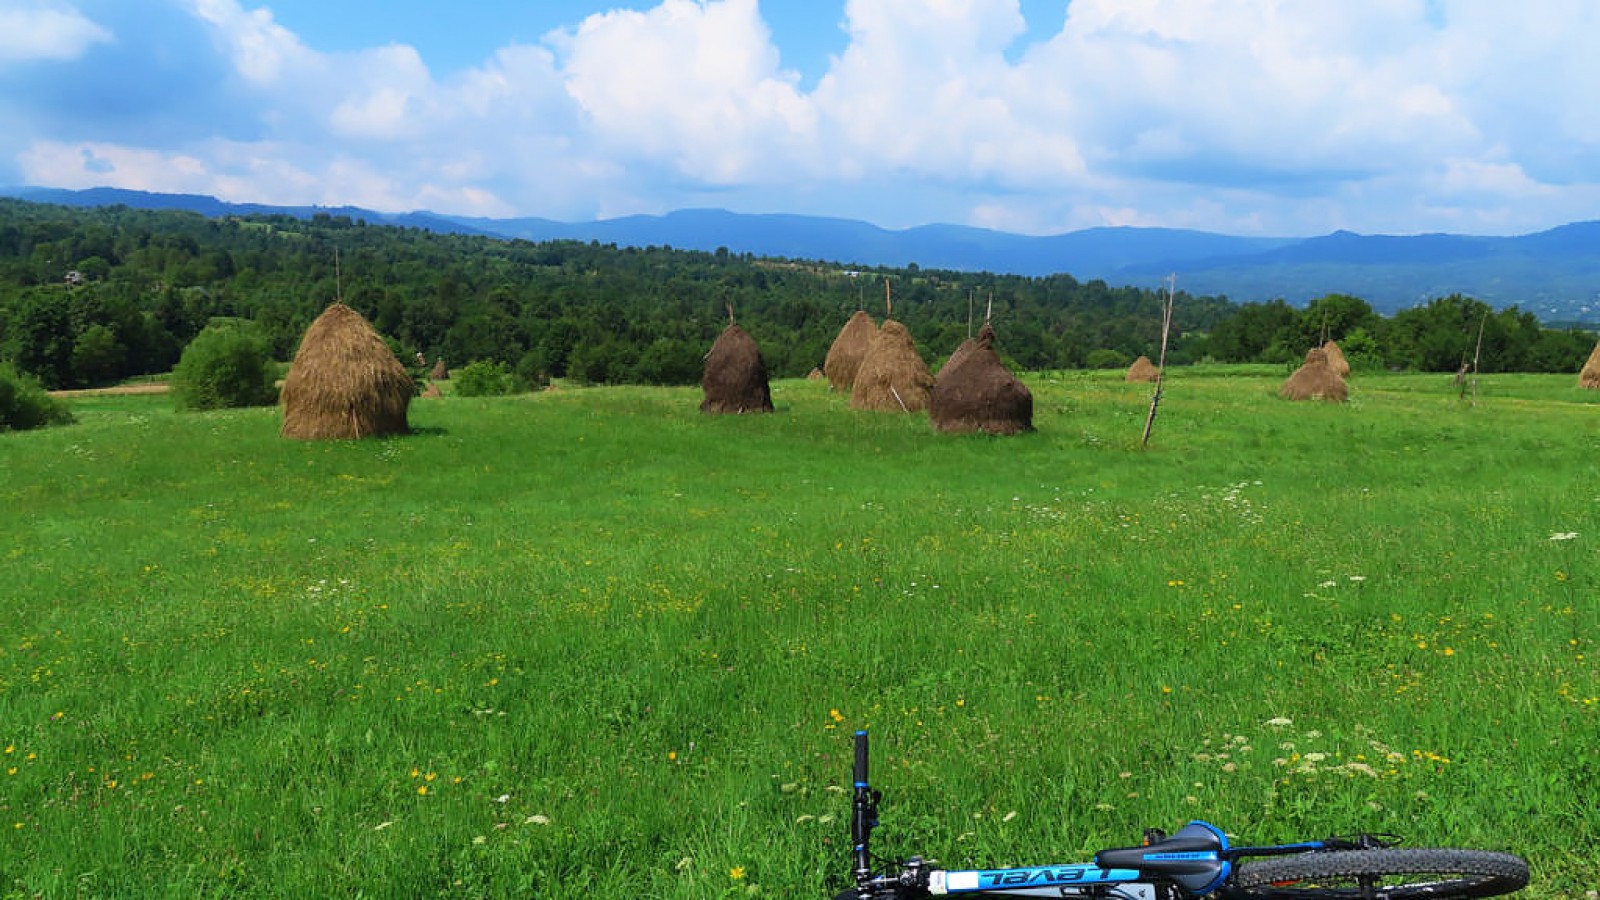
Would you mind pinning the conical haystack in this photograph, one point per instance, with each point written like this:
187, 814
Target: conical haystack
892, 377
976, 392
344, 382
440, 372
1316, 381
962, 351
1336, 360
815, 375
1590, 376
848, 349
1143, 370
735, 379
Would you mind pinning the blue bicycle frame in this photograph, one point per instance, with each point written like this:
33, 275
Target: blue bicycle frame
1193, 863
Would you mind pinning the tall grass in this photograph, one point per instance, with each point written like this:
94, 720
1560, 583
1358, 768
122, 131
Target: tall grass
590, 643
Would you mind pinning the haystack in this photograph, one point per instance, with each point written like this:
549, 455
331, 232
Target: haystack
1143, 370
344, 382
1336, 360
431, 391
848, 349
976, 392
1590, 376
892, 377
1316, 381
735, 379
815, 375
440, 372
962, 351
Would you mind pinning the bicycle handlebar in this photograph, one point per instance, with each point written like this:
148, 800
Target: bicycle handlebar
861, 759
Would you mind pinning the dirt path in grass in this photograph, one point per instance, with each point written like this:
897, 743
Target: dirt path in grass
151, 387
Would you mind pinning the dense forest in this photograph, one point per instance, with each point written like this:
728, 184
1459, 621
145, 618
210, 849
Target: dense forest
93, 296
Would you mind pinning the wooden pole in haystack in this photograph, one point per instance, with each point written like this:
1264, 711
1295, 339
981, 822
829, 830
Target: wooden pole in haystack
1161, 372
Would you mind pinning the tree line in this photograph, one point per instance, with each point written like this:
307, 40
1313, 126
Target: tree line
93, 296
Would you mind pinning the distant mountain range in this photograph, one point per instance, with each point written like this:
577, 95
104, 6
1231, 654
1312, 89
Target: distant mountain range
1554, 274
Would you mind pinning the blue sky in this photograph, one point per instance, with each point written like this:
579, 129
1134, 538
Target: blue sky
1281, 117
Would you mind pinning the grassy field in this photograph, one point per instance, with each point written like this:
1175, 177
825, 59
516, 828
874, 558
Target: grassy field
589, 643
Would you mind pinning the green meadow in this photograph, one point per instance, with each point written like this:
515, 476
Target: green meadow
591, 643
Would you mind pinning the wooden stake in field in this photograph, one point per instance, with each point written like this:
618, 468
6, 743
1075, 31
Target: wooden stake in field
1477, 354
1166, 329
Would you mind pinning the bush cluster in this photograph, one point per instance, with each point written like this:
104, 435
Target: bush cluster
484, 379
227, 365
24, 403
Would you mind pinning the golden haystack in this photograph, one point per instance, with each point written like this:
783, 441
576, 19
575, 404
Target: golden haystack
431, 391
1316, 381
1143, 370
344, 382
440, 372
848, 349
1336, 360
1590, 376
976, 392
892, 377
735, 379
815, 375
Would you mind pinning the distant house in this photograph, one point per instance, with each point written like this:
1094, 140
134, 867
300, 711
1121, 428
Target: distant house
75, 278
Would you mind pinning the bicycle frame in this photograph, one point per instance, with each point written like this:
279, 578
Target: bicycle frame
1193, 863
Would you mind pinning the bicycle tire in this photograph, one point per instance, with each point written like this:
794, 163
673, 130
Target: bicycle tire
1392, 873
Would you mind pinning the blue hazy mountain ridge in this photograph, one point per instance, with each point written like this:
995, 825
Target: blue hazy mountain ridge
213, 208
1554, 274
1092, 253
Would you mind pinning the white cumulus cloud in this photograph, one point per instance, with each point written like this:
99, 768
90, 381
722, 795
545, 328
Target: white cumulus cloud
695, 86
1252, 116
46, 31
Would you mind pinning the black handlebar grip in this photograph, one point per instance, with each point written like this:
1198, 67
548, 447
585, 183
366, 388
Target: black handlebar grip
861, 759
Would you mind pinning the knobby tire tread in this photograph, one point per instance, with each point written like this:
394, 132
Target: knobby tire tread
1464, 874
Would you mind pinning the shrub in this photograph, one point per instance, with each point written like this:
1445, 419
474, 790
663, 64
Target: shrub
483, 379
227, 365
24, 403
533, 370
1108, 359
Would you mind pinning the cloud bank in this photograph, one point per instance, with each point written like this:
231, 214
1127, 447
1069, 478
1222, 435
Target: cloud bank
1247, 116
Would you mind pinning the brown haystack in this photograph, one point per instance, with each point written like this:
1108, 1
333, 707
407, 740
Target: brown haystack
963, 350
1316, 381
848, 349
344, 382
1590, 376
1336, 360
815, 375
431, 391
735, 379
976, 392
440, 372
892, 377
1143, 370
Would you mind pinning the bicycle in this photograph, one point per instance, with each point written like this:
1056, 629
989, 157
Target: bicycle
1196, 862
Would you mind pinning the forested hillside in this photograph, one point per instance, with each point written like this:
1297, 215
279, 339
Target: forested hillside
90, 296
